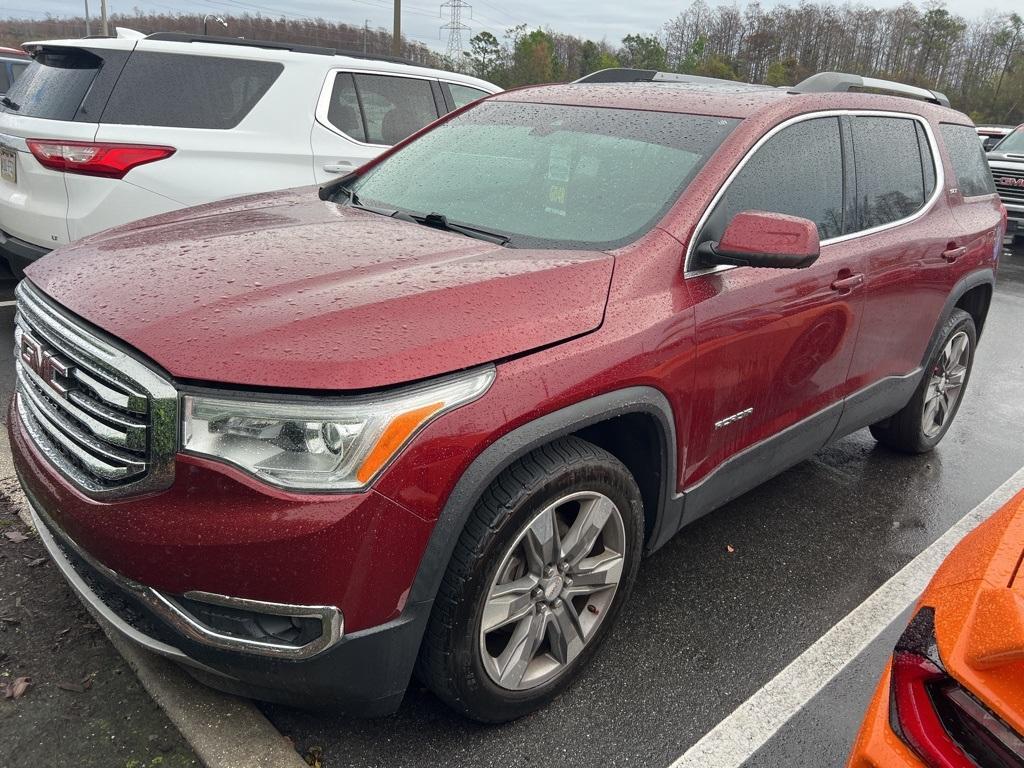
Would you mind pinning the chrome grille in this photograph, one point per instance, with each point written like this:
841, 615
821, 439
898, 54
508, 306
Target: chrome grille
1009, 184
105, 420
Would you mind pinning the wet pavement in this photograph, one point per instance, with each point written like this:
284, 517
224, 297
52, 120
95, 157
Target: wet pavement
707, 627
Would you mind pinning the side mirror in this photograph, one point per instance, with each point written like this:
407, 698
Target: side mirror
760, 239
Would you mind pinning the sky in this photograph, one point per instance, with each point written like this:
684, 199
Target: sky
421, 19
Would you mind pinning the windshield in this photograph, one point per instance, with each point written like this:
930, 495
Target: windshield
548, 175
1014, 143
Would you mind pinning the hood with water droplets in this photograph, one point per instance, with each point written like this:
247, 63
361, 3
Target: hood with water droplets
283, 290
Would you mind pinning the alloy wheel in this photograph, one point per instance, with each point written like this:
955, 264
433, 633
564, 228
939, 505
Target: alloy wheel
948, 376
552, 590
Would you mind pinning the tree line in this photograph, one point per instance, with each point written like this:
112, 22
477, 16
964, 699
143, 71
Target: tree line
978, 62
316, 32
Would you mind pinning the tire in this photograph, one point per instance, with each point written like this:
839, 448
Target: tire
914, 429
459, 661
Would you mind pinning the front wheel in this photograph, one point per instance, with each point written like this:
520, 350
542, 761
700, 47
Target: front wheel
538, 576
923, 422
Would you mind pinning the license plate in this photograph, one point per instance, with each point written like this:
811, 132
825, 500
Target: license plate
8, 165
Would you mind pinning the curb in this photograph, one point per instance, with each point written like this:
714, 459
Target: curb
224, 731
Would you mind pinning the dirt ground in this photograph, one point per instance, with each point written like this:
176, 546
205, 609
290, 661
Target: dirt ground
84, 706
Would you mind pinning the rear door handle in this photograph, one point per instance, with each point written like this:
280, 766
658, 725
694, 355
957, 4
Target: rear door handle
339, 167
848, 284
952, 254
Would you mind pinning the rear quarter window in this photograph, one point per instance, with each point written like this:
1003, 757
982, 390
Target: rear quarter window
54, 85
891, 178
967, 157
463, 94
177, 91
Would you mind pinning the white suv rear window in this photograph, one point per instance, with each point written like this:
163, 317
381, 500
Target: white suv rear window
185, 91
54, 85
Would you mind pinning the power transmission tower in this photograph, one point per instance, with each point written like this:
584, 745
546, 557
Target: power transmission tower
455, 27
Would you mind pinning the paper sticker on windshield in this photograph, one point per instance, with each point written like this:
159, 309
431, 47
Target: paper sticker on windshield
559, 163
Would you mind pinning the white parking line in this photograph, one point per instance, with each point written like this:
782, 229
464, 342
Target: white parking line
734, 740
8, 303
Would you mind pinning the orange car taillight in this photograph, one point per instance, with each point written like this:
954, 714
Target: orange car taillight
944, 724
95, 158
917, 720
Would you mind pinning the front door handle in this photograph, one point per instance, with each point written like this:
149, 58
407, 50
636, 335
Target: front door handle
952, 254
849, 284
339, 167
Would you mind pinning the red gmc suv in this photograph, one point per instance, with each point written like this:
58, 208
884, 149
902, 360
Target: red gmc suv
432, 418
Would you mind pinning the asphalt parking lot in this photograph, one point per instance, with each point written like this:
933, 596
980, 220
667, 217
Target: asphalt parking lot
731, 601
707, 627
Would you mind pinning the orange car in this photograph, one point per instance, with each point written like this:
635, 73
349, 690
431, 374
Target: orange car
952, 695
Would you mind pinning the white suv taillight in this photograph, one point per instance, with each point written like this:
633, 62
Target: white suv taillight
95, 158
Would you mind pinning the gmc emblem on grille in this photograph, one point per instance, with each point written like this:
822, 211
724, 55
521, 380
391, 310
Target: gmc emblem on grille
1010, 181
50, 367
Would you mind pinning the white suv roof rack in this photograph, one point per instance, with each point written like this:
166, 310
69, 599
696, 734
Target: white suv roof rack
630, 75
838, 82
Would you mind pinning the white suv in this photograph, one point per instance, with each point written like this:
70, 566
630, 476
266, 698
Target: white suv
100, 132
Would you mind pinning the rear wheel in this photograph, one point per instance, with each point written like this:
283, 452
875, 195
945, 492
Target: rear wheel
923, 422
538, 576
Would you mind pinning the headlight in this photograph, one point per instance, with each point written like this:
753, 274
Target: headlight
321, 446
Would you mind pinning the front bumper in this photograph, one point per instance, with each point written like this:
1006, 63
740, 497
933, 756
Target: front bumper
364, 673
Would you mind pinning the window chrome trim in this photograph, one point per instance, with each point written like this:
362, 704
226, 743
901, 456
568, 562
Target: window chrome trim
323, 102
940, 182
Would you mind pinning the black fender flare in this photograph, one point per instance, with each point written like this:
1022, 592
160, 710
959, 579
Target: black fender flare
968, 282
500, 454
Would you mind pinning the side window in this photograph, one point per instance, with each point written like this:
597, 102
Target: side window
798, 171
890, 176
394, 107
973, 176
343, 112
5, 81
463, 94
184, 91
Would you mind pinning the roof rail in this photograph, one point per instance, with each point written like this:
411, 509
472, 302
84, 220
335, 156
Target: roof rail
839, 82
182, 37
628, 75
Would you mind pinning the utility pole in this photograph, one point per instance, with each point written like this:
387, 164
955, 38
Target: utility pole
103, 18
455, 27
87, 30
396, 30
366, 32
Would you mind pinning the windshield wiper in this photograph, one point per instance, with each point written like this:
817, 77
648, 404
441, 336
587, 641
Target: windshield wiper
440, 221
350, 193
10, 104
354, 202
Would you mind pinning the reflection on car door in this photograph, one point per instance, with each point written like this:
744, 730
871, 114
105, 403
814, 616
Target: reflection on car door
774, 345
